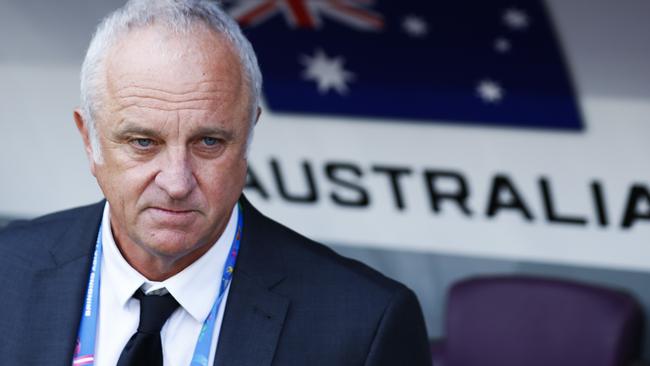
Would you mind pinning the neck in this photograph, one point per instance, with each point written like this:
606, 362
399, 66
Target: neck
156, 268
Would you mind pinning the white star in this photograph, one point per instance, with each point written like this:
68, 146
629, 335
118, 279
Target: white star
502, 45
415, 26
516, 19
490, 91
328, 73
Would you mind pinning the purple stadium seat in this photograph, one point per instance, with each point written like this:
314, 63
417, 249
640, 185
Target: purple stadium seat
527, 321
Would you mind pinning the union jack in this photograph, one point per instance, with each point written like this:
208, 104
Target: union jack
307, 13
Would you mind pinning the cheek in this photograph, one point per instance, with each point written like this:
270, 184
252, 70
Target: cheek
223, 182
123, 185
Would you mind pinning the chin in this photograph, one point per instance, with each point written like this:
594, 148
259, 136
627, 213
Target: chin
172, 243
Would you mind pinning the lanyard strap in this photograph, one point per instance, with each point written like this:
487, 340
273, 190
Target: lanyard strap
84, 353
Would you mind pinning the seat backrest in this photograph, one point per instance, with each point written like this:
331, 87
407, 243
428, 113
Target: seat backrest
527, 321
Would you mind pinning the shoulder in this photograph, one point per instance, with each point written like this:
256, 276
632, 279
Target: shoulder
325, 266
345, 306
50, 223
312, 265
26, 239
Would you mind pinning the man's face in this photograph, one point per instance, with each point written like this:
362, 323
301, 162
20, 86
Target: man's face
172, 133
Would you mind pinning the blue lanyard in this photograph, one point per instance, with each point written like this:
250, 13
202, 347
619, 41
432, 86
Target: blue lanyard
84, 353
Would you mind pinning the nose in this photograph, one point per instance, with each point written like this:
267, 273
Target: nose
176, 176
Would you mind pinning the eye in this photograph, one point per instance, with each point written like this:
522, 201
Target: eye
208, 146
209, 141
142, 143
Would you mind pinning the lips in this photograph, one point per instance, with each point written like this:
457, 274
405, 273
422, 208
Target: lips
172, 216
172, 211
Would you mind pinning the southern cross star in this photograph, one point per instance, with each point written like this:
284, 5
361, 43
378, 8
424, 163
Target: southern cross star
415, 26
328, 73
490, 91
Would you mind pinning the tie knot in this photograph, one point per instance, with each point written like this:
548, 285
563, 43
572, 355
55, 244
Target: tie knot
154, 311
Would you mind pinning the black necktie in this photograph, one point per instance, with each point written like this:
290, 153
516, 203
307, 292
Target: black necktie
145, 347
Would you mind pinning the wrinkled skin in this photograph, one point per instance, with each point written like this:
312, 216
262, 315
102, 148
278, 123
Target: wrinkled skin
172, 130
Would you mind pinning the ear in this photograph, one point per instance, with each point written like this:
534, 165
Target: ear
259, 112
85, 135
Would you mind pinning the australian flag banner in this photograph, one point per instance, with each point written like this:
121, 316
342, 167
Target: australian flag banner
494, 62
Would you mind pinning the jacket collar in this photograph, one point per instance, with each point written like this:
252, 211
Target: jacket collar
255, 314
58, 290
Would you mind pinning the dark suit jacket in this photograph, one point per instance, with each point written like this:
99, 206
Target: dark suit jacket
292, 301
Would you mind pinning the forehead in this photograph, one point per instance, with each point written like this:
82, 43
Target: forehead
154, 47
175, 67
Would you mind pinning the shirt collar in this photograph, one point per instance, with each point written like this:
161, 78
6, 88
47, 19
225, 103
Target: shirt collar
195, 288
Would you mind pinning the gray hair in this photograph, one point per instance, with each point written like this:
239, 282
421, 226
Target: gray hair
178, 15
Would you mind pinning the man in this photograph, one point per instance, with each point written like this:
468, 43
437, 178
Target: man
175, 267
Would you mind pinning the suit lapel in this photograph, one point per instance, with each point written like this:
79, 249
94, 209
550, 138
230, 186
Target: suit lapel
57, 295
251, 326
56, 303
254, 314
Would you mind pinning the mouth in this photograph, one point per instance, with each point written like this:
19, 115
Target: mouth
172, 211
173, 216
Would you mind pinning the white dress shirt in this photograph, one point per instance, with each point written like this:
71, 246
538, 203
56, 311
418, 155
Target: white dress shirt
195, 288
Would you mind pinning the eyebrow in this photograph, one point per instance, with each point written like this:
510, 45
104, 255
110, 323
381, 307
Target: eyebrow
213, 131
133, 129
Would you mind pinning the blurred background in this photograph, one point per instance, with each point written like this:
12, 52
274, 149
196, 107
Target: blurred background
434, 142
